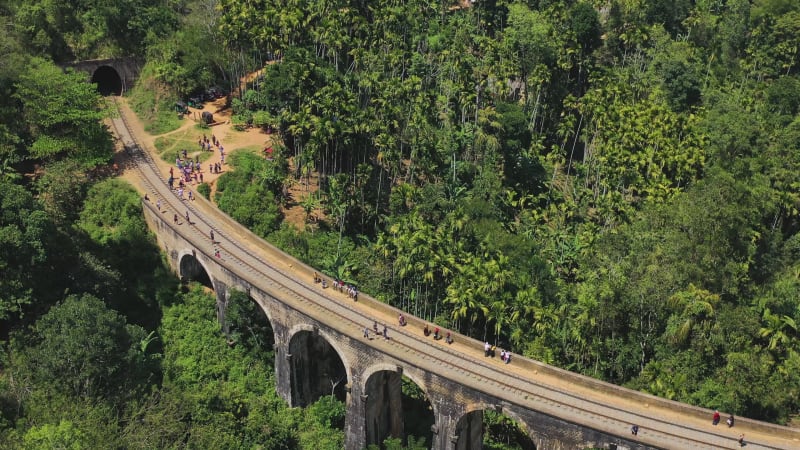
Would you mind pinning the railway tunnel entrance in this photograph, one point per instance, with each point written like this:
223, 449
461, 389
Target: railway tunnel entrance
482, 429
396, 408
317, 369
108, 80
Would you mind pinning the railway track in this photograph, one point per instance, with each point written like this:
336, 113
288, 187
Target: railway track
350, 318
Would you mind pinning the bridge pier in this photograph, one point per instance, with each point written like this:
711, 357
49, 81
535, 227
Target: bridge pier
468, 434
384, 406
221, 291
445, 430
283, 363
355, 433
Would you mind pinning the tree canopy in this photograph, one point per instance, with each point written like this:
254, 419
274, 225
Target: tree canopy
610, 187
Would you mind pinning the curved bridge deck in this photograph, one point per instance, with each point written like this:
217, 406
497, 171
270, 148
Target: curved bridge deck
522, 385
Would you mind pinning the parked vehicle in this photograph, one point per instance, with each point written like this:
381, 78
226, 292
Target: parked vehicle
181, 108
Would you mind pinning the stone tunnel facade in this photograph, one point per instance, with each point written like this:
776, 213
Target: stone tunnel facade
104, 71
370, 387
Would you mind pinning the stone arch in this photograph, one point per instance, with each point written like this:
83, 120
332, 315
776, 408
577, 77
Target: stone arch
248, 321
317, 366
255, 297
470, 427
385, 411
109, 81
192, 268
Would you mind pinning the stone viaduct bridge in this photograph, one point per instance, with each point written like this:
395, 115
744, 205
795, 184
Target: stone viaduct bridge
320, 348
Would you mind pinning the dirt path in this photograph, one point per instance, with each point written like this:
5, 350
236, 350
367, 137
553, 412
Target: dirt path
232, 141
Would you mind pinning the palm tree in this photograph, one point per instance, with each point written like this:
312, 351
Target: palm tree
310, 204
781, 330
696, 310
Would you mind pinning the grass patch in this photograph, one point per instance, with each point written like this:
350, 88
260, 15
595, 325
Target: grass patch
154, 106
168, 147
164, 123
255, 149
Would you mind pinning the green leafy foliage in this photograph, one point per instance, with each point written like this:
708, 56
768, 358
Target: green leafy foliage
81, 348
123, 266
154, 104
503, 433
24, 232
249, 194
112, 216
87, 29
64, 435
63, 113
204, 189
610, 190
228, 391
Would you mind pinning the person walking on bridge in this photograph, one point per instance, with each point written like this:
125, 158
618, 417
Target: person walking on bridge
211, 234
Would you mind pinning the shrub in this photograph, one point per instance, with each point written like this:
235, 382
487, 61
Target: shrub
204, 189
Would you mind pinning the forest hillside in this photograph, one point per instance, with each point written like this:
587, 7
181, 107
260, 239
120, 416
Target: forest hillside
609, 186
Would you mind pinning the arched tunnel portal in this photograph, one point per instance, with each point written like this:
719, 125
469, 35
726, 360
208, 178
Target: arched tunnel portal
108, 80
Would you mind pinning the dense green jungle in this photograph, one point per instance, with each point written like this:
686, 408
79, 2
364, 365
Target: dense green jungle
609, 186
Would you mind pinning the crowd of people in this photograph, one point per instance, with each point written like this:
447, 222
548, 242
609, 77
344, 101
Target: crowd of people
490, 351
352, 292
437, 335
375, 330
338, 285
189, 172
